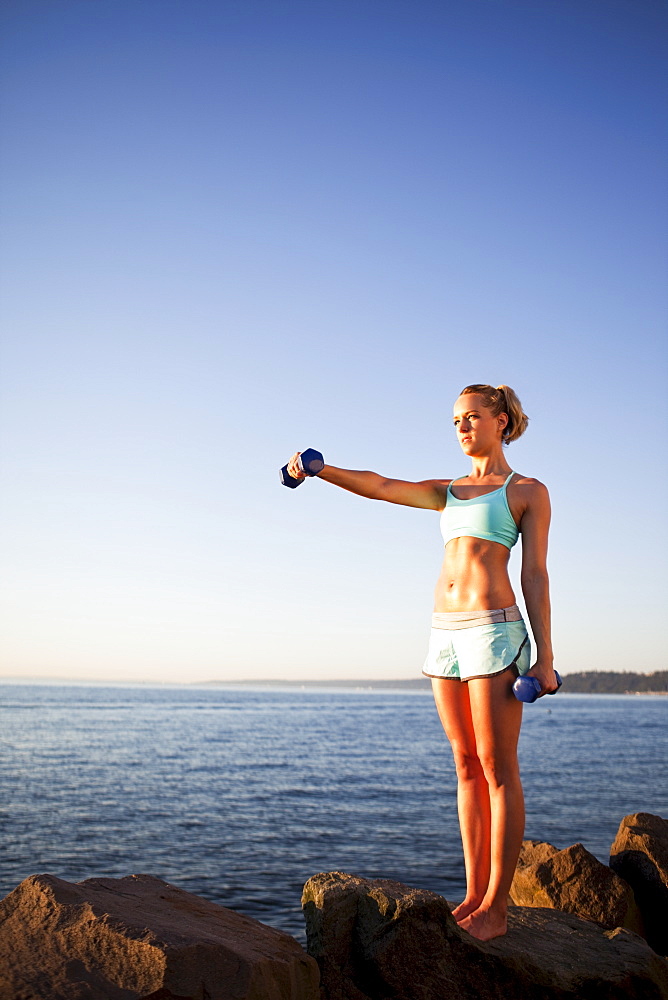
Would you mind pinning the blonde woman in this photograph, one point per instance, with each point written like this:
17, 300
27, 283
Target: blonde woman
479, 642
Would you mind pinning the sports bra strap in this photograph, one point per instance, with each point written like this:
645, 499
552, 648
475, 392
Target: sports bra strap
512, 473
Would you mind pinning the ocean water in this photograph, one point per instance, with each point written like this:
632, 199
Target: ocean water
240, 795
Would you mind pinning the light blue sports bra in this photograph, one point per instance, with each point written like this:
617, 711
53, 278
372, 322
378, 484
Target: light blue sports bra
485, 517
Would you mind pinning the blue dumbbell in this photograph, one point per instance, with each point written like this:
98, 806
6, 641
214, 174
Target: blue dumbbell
310, 462
528, 688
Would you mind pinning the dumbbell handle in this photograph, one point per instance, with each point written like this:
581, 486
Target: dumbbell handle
528, 688
310, 462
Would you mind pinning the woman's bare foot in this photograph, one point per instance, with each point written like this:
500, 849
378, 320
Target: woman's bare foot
485, 924
465, 907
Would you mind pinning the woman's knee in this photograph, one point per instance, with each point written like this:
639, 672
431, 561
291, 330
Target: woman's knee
499, 768
467, 764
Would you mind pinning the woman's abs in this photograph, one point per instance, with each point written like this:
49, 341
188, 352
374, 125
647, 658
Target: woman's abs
474, 576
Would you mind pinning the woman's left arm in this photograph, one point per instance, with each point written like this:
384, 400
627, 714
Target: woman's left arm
534, 526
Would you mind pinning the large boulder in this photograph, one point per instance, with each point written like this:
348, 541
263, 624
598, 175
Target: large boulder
574, 881
139, 937
639, 854
381, 940
532, 852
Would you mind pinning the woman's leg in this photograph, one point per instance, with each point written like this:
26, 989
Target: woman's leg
496, 717
452, 701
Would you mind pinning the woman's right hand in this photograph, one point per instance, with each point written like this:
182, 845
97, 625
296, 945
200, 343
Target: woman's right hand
294, 469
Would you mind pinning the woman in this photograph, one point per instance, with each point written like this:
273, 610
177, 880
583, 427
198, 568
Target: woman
479, 642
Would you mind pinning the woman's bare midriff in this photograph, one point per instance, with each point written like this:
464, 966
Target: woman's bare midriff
474, 577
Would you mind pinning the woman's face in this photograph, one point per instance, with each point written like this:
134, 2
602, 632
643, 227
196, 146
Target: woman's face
478, 431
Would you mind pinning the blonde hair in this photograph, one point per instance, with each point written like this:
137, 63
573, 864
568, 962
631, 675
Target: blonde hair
502, 400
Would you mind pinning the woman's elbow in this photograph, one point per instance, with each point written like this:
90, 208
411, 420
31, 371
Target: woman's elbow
534, 578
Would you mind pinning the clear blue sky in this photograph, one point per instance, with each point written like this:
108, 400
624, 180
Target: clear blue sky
236, 229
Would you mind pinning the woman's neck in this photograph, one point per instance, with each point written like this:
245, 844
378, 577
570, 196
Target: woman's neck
489, 465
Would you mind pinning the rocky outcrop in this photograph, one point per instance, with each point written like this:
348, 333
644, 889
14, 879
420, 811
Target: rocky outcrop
138, 937
574, 881
532, 852
381, 940
639, 855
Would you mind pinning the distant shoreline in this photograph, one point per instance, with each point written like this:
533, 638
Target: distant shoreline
585, 682
588, 682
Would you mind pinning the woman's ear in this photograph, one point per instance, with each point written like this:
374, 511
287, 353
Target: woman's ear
503, 421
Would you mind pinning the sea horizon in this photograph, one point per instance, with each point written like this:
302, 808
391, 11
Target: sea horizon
417, 685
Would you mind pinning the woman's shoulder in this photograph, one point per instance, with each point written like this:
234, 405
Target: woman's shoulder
440, 488
531, 490
527, 481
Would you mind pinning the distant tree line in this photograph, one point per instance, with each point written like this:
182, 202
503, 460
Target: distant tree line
615, 682
585, 682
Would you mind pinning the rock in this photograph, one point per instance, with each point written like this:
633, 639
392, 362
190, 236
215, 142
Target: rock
532, 852
381, 940
138, 937
574, 881
639, 854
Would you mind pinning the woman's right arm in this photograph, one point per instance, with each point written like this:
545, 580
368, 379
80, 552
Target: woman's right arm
429, 494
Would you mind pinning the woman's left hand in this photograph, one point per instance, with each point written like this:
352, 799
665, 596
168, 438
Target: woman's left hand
544, 674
